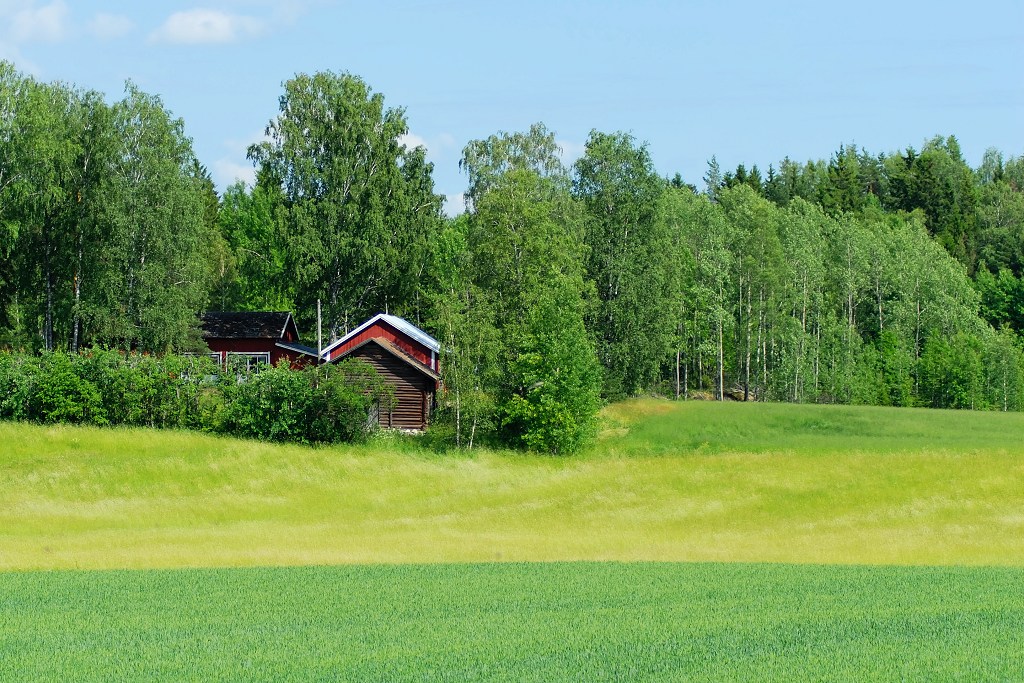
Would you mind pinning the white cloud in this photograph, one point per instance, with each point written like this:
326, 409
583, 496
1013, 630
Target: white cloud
454, 204
234, 165
47, 23
109, 26
226, 171
10, 52
571, 151
437, 147
412, 141
207, 26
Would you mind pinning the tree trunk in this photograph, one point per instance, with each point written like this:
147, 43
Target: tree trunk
48, 266
76, 318
721, 360
677, 374
746, 364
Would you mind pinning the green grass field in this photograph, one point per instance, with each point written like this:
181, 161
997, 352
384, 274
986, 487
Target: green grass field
692, 541
517, 622
665, 482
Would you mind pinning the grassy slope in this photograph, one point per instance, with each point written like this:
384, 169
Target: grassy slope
522, 622
667, 481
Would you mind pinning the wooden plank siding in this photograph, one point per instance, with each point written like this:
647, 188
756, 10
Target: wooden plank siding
413, 390
381, 330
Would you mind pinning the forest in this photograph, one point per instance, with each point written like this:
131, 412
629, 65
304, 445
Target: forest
885, 278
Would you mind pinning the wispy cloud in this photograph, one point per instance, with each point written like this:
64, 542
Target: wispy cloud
110, 26
437, 147
454, 204
412, 141
10, 52
207, 26
225, 172
46, 23
571, 151
233, 165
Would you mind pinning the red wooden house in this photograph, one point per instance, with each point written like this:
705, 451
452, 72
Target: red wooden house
254, 338
405, 357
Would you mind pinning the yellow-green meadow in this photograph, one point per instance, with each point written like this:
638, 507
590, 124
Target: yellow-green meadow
665, 481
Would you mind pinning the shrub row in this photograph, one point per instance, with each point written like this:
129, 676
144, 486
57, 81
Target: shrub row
323, 404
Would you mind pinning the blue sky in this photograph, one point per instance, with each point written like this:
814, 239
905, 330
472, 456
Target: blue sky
746, 81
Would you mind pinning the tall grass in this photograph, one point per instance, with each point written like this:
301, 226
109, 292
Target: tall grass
665, 481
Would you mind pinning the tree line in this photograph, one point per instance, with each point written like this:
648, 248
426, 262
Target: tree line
891, 279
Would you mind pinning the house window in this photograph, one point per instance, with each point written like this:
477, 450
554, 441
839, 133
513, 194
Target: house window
248, 362
213, 356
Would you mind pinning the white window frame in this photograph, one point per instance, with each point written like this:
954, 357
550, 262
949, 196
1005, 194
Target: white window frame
253, 359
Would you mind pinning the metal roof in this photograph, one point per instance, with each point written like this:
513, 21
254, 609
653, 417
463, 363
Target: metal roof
299, 348
400, 324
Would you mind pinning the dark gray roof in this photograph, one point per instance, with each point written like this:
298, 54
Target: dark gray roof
248, 325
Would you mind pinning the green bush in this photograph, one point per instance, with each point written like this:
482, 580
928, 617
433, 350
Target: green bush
318, 405
17, 377
123, 389
269, 405
321, 404
341, 398
59, 394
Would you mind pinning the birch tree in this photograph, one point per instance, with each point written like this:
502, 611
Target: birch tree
360, 208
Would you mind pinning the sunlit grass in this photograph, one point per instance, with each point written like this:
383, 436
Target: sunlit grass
665, 481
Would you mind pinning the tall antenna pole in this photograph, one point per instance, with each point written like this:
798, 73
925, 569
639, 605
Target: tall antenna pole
319, 335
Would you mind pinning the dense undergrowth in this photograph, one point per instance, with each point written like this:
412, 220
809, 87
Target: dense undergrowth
323, 404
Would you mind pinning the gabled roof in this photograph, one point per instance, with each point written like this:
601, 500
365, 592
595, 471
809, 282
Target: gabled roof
245, 325
397, 353
400, 324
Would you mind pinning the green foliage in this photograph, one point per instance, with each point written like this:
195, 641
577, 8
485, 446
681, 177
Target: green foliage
317, 405
358, 206
518, 365
320, 404
839, 280
341, 397
629, 260
893, 365
1002, 297
939, 182
844, 189
969, 372
54, 392
485, 161
1003, 363
255, 275
106, 239
553, 380
269, 405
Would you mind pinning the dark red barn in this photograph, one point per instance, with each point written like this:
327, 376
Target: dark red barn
405, 357
258, 337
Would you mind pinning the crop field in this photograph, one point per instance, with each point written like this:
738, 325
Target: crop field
692, 541
520, 622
